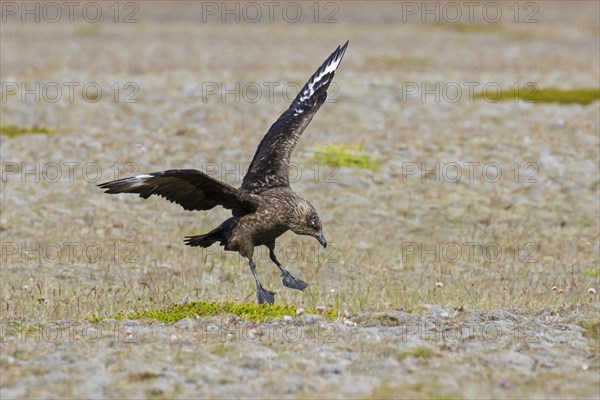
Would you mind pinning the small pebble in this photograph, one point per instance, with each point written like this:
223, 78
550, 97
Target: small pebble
300, 311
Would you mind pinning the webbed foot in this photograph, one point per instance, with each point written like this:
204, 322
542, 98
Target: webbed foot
292, 282
265, 296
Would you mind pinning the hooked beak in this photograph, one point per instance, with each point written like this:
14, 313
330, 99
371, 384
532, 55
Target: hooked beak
321, 239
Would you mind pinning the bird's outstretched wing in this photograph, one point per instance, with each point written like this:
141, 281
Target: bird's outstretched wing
270, 165
191, 189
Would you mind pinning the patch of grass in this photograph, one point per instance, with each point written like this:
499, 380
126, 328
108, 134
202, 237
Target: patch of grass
22, 329
220, 349
352, 156
592, 330
591, 272
144, 376
580, 96
419, 390
249, 312
492, 28
398, 61
387, 319
87, 30
466, 27
531, 94
526, 34
417, 352
14, 130
385, 392
415, 310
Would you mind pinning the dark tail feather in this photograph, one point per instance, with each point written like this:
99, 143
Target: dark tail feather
216, 235
204, 240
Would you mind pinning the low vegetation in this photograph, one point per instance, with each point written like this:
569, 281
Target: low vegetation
352, 156
417, 352
533, 94
14, 130
249, 312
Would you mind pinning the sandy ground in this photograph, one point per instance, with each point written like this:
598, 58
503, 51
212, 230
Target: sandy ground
506, 218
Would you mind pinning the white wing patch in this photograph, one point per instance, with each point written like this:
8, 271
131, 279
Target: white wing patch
330, 66
141, 178
134, 181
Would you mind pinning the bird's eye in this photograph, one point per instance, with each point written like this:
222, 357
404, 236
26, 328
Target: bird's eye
312, 223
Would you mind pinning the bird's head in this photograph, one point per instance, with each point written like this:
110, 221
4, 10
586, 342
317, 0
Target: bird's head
306, 221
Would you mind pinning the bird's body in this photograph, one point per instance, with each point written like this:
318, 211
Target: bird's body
265, 206
263, 226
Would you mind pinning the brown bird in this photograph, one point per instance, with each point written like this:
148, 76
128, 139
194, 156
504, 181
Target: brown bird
265, 206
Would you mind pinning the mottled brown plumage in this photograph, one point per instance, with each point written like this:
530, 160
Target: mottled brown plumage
265, 206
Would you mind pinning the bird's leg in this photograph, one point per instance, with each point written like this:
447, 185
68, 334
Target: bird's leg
288, 279
262, 294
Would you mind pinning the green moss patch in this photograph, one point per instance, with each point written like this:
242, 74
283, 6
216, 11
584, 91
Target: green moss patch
592, 272
387, 319
397, 61
533, 94
492, 29
249, 312
87, 30
14, 130
580, 96
352, 156
466, 27
592, 330
417, 352
417, 390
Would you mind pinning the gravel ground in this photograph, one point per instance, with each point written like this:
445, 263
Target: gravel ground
440, 354
425, 322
